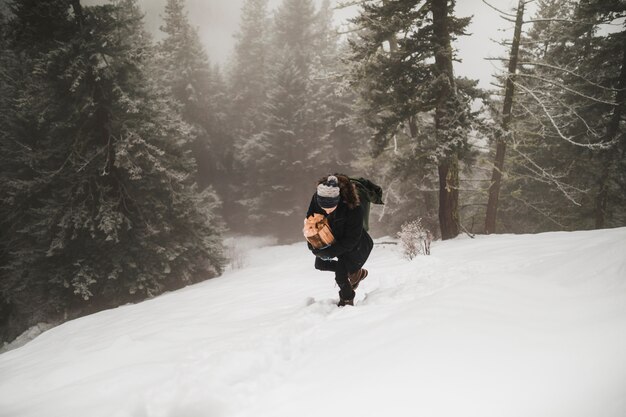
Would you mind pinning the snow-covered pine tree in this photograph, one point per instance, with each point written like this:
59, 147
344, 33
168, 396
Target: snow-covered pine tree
104, 209
30, 162
339, 140
405, 55
248, 78
15, 154
184, 68
277, 158
285, 162
301, 120
248, 84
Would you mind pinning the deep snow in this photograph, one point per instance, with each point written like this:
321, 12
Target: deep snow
502, 326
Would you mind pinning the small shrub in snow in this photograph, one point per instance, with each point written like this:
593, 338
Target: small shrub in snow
415, 239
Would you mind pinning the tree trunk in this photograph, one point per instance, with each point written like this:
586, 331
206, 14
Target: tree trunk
449, 197
609, 156
448, 166
393, 42
602, 196
496, 176
102, 113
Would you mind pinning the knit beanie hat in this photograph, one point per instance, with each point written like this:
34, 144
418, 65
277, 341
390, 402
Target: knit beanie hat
328, 193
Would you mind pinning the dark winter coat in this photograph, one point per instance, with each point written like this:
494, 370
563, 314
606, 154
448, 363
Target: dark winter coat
352, 243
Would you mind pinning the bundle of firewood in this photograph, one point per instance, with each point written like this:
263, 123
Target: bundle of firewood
317, 231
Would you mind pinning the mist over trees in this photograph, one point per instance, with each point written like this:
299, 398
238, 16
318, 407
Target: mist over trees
126, 160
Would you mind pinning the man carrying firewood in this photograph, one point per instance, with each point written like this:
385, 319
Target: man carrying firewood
334, 230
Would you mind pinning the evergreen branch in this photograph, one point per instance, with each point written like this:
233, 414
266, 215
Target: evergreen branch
581, 22
352, 3
51, 174
5, 74
91, 159
346, 32
21, 144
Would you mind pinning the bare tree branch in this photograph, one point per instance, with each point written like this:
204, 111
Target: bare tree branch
562, 226
540, 64
571, 90
600, 145
498, 10
535, 168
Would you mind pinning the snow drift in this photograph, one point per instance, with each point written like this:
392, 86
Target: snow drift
502, 326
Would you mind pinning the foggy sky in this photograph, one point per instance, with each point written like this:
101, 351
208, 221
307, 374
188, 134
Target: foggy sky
218, 20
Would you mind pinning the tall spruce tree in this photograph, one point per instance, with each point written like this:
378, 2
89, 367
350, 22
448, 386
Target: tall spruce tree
301, 135
248, 78
287, 163
103, 207
405, 55
248, 84
184, 68
338, 141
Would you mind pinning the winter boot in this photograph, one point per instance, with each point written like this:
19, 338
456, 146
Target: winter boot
343, 302
356, 277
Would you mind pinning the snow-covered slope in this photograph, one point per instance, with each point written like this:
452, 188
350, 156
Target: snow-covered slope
502, 326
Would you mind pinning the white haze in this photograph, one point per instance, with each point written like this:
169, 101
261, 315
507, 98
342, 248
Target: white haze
217, 22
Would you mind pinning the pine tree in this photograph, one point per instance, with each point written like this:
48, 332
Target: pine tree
184, 68
248, 79
303, 129
405, 56
248, 84
338, 140
103, 205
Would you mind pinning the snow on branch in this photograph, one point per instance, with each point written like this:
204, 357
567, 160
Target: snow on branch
541, 64
550, 178
566, 88
578, 22
346, 4
579, 117
600, 145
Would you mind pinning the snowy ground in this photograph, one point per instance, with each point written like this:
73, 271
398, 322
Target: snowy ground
498, 326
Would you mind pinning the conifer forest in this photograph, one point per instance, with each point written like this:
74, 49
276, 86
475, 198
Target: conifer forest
127, 157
